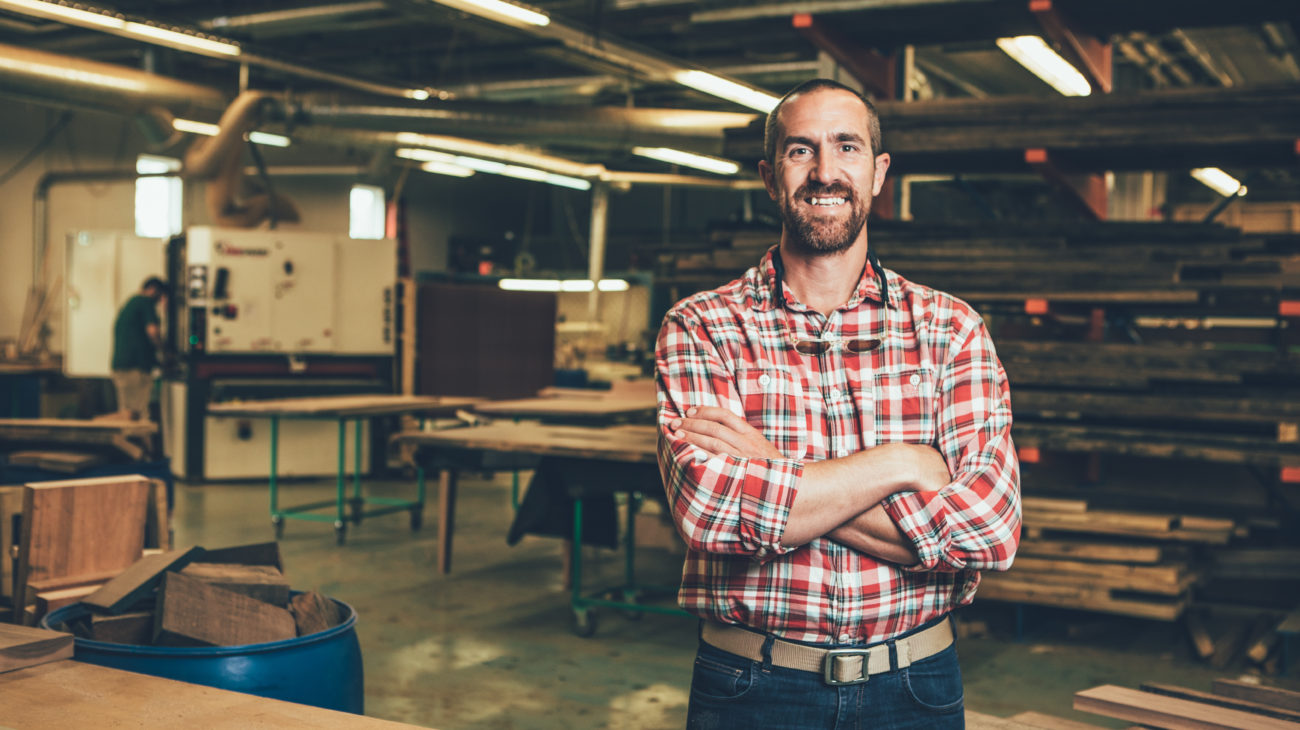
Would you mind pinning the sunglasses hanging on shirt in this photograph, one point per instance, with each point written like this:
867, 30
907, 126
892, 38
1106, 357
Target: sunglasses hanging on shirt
826, 343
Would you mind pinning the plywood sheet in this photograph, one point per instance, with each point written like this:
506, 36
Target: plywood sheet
22, 646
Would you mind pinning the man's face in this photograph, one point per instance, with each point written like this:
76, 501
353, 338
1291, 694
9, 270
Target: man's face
824, 175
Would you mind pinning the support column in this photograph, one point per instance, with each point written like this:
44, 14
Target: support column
596, 247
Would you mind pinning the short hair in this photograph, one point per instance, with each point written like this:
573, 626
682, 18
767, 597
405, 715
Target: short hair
157, 284
770, 132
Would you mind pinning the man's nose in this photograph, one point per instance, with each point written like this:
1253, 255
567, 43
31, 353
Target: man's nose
824, 170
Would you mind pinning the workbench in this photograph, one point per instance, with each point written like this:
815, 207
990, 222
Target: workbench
583, 461
70, 693
343, 408
573, 406
129, 437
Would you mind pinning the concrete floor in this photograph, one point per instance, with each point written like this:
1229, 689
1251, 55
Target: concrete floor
491, 645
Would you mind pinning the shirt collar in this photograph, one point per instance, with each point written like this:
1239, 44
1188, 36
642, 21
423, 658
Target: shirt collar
873, 283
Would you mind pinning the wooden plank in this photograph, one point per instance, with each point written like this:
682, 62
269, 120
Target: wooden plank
1090, 550
81, 527
157, 527
1134, 521
1256, 708
1168, 712
997, 588
47, 601
314, 612
189, 612
1166, 579
263, 582
23, 646
138, 581
260, 553
129, 628
67, 462
1043, 721
343, 405
1053, 504
636, 444
1272, 696
71, 694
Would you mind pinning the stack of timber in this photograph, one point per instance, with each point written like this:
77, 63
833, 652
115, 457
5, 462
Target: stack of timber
1131, 563
1230, 704
196, 597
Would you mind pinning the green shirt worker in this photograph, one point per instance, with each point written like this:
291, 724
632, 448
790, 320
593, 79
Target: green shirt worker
136, 340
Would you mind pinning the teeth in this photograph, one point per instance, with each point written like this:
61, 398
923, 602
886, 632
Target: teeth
827, 201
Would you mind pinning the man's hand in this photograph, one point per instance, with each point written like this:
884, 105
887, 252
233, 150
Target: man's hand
921, 467
719, 431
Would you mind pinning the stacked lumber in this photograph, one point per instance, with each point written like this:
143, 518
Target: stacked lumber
1230, 704
196, 597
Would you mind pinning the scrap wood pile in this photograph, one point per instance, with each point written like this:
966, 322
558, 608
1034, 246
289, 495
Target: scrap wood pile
196, 597
1230, 704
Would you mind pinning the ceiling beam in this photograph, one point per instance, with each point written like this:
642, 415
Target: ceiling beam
1085, 51
876, 73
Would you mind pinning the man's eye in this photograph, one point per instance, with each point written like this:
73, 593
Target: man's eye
848, 148
798, 151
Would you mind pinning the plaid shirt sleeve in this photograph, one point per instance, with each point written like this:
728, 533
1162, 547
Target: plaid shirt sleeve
720, 503
974, 522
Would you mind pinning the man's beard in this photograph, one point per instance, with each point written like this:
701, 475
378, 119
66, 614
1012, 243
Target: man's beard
824, 236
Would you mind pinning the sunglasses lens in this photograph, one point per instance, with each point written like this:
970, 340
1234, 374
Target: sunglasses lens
860, 346
810, 347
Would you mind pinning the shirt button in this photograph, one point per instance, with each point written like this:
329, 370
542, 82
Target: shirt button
764, 379
835, 393
915, 379
842, 453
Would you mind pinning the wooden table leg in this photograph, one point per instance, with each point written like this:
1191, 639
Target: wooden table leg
446, 517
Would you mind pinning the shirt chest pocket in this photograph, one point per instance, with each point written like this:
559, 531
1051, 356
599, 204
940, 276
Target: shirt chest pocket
774, 404
901, 405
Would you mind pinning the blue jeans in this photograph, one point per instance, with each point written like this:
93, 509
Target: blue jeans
729, 691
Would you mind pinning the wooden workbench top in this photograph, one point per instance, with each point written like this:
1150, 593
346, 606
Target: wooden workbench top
569, 406
343, 406
69, 693
14, 427
615, 443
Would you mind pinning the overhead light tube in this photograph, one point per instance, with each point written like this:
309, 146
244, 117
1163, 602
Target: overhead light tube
184, 41
55, 11
563, 285
690, 159
211, 130
1219, 181
724, 89
502, 12
1033, 53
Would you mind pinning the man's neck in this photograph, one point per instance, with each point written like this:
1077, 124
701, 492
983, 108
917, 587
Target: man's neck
823, 281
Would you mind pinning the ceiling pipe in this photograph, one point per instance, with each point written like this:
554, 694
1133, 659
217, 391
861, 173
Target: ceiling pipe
291, 17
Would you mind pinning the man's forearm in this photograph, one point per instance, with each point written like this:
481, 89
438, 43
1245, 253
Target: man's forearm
875, 534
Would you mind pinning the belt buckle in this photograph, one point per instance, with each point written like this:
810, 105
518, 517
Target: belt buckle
828, 666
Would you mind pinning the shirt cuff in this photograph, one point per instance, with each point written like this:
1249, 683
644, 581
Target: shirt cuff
921, 517
767, 494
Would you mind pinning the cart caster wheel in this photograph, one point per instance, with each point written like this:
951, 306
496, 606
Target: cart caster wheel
584, 622
340, 532
278, 524
417, 518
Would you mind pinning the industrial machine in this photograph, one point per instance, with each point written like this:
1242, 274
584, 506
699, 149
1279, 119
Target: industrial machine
273, 314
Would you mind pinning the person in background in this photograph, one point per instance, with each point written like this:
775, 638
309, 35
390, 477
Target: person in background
835, 442
136, 341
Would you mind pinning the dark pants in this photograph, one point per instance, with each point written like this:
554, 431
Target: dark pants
729, 691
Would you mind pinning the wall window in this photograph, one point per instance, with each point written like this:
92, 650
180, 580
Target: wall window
157, 199
367, 206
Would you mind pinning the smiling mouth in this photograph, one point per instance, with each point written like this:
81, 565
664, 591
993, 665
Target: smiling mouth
825, 202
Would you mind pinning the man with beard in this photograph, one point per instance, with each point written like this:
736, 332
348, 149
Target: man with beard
835, 444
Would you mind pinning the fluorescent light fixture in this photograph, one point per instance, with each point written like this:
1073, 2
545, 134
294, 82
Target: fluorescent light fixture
690, 159
724, 89
446, 168
492, 167
502, 12
1219, 181
1033, 53
503, 153
211, 130
565, 285
62, 73
185, 41
417, 94
64, 12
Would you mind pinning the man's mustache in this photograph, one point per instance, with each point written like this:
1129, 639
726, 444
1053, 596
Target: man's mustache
825, 191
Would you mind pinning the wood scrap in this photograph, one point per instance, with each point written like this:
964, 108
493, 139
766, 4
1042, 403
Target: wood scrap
1170, 579
263, 582
137, 582
128, 628
1168, 712
1078, 549
47, 601
1272, 696
1263, 637
66, 462
314, 612
261, 553
190, 612
1054, 504
23, 646
1208, 698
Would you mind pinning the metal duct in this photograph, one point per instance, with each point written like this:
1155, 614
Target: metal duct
68, 81
598, 127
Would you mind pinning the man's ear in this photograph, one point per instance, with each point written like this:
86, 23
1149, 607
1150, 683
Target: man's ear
882, 166
768, 174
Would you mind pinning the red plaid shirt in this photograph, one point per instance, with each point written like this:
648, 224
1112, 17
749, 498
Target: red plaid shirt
935, 380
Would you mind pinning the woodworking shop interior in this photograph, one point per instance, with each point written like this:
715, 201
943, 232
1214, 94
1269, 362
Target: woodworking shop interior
417, 254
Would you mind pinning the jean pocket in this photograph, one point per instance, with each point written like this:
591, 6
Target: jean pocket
934, 683
720, 679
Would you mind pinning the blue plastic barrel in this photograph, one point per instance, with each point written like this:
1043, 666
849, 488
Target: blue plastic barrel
321, 669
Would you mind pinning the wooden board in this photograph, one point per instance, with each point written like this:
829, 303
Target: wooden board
81, 527
1273, 696
22, 646
622, 443
342, 405
569, 406
1002, 587
1208, 698
112, 433
1168, 579
1053, 504
190, 612
135, 583
1090, 550
261, 553
134, 628
314, 612
263, 582
1168, 712
66, 462
71, 694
